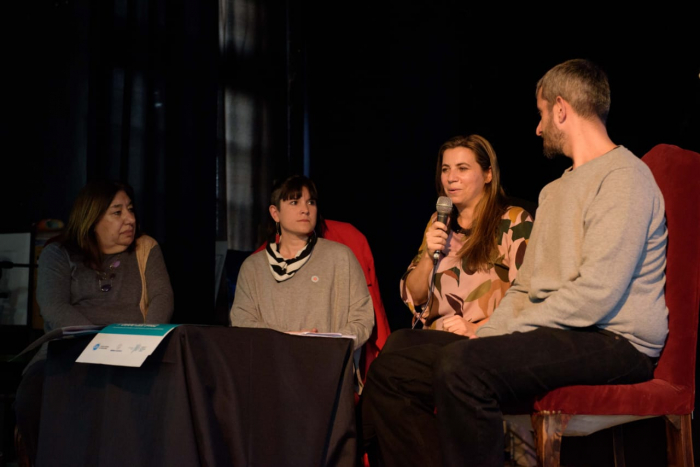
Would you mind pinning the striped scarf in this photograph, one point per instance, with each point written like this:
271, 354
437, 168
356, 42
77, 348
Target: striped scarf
282, 269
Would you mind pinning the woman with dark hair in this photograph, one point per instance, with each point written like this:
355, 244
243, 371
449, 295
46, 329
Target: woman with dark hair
480, 247
101, 270
301, 282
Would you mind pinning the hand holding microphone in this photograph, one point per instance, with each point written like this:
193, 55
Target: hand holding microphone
435, 240
443, 207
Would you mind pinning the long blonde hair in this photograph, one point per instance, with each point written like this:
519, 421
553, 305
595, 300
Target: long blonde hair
479, 247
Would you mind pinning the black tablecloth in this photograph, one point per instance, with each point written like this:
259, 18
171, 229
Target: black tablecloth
208, 395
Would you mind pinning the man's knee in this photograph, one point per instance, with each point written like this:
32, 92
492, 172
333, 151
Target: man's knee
455, 364
399, 339
382, 369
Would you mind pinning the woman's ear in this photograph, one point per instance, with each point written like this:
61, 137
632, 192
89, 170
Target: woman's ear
274, 213
488, 176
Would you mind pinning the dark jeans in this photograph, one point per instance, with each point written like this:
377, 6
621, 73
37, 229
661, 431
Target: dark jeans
468, 382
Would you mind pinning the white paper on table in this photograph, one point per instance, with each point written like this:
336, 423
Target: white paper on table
321, 334
125, 344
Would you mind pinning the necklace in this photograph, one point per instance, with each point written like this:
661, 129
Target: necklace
456, 228
104, 278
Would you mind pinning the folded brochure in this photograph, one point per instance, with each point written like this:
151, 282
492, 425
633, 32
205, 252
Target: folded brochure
124, 344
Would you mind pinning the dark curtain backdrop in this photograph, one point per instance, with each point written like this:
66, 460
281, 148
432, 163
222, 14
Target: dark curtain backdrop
260, 112
201, 104
122, 89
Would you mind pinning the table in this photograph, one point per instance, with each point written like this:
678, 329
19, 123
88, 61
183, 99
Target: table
209, 396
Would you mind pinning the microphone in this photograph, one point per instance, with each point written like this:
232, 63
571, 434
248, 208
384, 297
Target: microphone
443, 207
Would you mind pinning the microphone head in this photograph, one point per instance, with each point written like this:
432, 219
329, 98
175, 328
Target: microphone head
444, 205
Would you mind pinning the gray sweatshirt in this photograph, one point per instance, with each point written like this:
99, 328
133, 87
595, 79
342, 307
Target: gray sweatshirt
328, 293
596, 256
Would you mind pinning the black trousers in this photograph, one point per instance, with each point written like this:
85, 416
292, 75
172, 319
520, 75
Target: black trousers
434, 398
28, 406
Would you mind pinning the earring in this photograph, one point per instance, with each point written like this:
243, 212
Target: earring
277, 226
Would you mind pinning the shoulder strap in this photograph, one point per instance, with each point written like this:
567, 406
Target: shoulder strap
144, 244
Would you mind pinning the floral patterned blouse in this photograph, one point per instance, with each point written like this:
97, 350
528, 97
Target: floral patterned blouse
473, 295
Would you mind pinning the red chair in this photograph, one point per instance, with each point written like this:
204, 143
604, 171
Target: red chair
582, 410
347, 234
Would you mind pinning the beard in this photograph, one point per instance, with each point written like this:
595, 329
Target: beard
552, 141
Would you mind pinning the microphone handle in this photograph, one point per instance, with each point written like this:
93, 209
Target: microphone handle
440, 218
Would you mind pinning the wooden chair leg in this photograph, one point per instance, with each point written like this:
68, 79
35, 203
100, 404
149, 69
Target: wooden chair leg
549, 427
618, 446
679, 441
21, 450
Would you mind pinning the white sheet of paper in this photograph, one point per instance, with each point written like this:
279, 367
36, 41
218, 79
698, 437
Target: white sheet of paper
124, 344
321, 334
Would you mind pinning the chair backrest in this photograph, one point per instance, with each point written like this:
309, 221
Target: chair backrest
347, 234
676, 171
